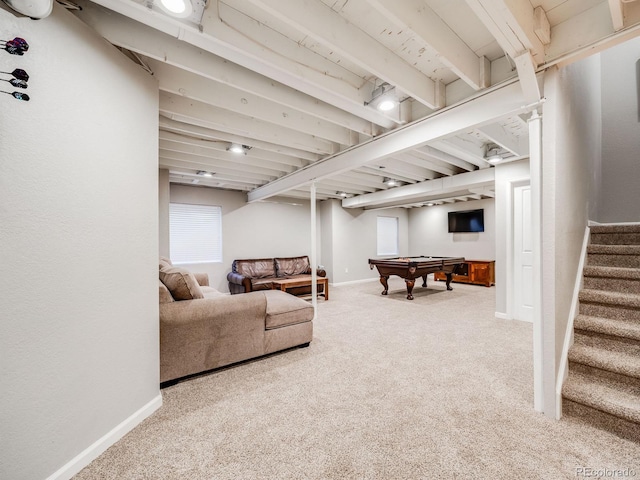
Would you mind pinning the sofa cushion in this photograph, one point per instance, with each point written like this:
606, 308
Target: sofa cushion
164, 294
262, 283
292, 266
210, 292
284, 309
164, 262
181, 283
259, 268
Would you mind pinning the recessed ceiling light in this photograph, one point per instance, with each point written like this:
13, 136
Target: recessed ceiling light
177, 8
386, 105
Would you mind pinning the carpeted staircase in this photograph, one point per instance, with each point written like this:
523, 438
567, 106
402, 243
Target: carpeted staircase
603, 387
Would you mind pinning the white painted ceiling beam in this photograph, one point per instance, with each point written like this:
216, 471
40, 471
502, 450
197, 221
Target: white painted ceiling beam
144, 40
445, 186
617, 14
320, 22
223, 155
233, 45
258, 173
496, 133
409, 169
297, 156
198, 113
417, 16
184, 175
180, 82
590, 32
270, 157
437, 168
389, 173
222, 173
462, 149
512, 24
431, 153
498, 103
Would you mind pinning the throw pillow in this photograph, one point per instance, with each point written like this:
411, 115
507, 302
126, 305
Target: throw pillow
181, 283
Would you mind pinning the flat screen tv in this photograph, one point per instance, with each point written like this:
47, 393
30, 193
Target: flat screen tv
466, 221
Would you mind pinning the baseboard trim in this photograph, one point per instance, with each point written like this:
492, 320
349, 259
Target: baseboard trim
353, 282
502, 316
94, 451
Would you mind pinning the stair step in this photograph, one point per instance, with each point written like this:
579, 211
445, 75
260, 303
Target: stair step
608, 326
627, 256
615, 228
591, 417
600, 303
621, 359
615, 279
609, 397
627, 234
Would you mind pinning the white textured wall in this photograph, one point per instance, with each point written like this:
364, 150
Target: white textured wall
355, 240
79, 245
508, 175
252, 230
429, 233
620, 188
571, 152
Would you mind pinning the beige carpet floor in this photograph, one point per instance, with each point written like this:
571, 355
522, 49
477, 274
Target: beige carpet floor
390, 388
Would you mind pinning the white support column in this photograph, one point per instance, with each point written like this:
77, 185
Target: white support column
535, 165
313, 258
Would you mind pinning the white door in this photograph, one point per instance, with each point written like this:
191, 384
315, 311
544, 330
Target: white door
523, 256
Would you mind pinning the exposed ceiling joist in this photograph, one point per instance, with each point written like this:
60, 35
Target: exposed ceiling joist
196, 131
315, 19
499, 103
198, 113
417, 16
428, 190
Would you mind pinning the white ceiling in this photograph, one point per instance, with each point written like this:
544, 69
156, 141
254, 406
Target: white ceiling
292, 79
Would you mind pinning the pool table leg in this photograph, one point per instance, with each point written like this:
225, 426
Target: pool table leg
383, 281
449, 281
424, 280
410, 284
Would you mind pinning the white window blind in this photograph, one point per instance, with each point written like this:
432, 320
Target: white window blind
387, 235
195, 233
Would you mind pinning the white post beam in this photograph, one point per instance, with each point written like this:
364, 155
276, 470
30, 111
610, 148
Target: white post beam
535, 165
617, 15
314, 253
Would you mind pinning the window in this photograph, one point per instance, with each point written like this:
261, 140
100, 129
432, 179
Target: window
195, 233
387, 235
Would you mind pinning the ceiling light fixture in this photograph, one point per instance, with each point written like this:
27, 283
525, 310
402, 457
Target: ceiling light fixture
384, 97
204, 173
389, 182
237, 148
177, 8
494, 154
342, 194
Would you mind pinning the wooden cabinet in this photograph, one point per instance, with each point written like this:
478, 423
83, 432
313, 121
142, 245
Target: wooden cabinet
478, 272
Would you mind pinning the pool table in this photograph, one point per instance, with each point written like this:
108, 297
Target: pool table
411, 268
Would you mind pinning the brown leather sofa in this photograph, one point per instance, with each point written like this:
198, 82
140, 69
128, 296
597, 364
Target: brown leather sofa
202, 328
252, 275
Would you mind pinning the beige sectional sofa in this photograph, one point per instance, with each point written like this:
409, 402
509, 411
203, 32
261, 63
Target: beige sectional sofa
202, 328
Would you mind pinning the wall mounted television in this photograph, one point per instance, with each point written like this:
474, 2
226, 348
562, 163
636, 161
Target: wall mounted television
466, 221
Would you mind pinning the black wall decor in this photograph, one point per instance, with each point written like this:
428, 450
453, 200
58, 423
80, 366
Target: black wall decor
16, 46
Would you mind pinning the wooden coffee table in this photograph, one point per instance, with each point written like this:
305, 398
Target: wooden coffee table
287, 283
